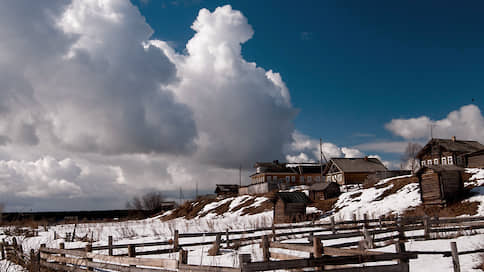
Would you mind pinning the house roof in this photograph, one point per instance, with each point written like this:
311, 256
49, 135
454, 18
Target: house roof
293, 197
452, 145
440, 168
476, 153
321, 186
221, 188
359, 164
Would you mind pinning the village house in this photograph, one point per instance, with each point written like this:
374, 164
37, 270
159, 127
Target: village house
276, 175
324, 190
447, 152
475, 159
226, 189
290, 207
352, 170
440, 184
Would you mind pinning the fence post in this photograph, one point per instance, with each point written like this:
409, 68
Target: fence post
333, 227
55, 235
317, 247
89, 249
110, 245
455, 256
266, 255
2, 252
37, 261
227, 238
368, 238
273, 232
215, 249
310, 238
426, 223
74, 233
32, 260
62, 246
354, 218
182, 256
132, 252
365, 219
244, 259
175, 241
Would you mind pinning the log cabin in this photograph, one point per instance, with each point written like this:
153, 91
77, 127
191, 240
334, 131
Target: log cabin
440, 184
475, 159
290, 207
352, 170
447, 152
324, 190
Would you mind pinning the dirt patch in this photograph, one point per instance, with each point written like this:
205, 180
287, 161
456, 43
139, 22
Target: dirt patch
244, 204
355, 195
219, 210
452, 210
481, 265
397, 185
189, 210
324, 205
267, 205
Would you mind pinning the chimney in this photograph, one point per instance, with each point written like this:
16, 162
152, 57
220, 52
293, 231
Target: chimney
453, 139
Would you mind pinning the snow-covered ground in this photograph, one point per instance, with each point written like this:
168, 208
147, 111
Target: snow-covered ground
358, 201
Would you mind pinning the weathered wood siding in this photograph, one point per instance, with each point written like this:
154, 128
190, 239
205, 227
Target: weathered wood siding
451, 183
430, 187
355, 178
288, 212
475, 161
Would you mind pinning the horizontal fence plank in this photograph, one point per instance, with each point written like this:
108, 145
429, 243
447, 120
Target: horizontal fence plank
333, 251
380, 268
284, 256
206, 268
304, 248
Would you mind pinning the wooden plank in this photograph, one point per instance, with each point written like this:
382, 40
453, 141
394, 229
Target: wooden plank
308, 248
284, 256
333, 251
162, 263
206, 268
90, 264
379, 268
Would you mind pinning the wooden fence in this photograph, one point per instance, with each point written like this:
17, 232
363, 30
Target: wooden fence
393, 229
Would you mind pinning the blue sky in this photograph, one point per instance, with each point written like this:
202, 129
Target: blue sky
353, 66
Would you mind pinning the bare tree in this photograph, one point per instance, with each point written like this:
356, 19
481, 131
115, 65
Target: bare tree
409, 159
151, 201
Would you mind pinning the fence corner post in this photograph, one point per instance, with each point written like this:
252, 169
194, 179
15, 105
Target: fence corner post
265, 248
88, 249
110, 245
182, 257
244, 259
455, 256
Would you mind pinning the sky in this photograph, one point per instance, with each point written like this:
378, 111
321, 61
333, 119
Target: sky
104, 100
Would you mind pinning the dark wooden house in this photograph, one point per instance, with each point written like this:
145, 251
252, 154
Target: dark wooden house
324, 190
290, 207
351, 170
440, 184
475, 159
447, 152
227, 189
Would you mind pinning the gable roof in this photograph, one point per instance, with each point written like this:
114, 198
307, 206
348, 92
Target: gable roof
452, 145
440, 168
321, 186
358, 164
293, 197
226, 188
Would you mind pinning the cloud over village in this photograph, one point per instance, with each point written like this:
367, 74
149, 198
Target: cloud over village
94, 109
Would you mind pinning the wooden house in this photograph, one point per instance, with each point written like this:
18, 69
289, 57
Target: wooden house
475, 159
227, 189
352, 170
324, 190
440, 184
447, 152
290, 207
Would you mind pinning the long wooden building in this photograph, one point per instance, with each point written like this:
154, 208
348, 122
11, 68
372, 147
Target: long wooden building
475, 159
447, 152
352, 170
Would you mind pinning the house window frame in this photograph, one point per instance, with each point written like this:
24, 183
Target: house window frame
293, 178
429, 162
450, 160
423, 163
436, 161
444, 160
269, 178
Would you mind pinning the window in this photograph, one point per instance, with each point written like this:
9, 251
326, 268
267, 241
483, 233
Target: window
274, 178
317, 178
269, 178
449, 160
459, 160
301, 178
310, 179
429, 162
444, 160
293, 178
436, 161
423, 163
288, 179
